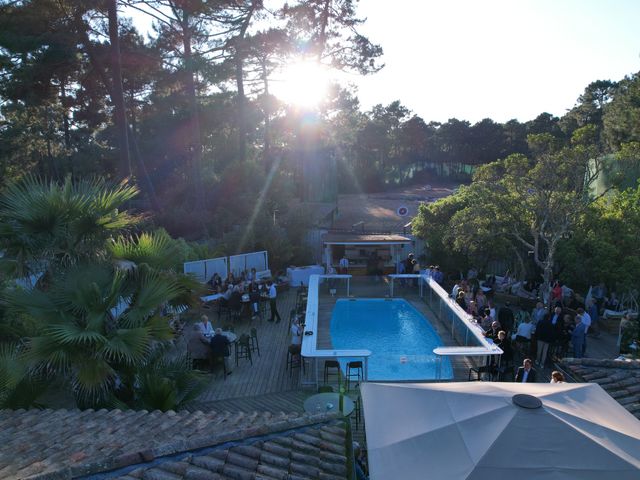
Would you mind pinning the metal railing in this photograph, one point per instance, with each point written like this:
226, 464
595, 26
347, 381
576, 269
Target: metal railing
467, 337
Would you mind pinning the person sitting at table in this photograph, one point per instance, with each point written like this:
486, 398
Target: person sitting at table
220, 349
205, 327
215, 282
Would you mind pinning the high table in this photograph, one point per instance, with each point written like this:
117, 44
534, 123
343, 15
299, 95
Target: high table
211, 298
328, 402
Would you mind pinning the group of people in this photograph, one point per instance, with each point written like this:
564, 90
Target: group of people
218, 343
560, 330
527, 374
410, 265
248, 289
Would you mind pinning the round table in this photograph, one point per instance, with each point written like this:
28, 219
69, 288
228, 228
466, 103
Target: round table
328, 402
232, 337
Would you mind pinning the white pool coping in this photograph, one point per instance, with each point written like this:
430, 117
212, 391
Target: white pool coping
309, 343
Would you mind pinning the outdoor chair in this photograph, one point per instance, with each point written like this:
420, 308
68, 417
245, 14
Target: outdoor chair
294, 360
220, 359
235, 307
243, 348
253, 341
479, 371
223, 308
354, 370
331, 365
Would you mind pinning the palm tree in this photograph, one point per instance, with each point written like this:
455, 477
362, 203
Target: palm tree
49, 225
97, 326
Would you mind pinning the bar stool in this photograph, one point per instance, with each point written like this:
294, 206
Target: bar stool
329, 365
243, 348
294, 359
354, 370
253, 341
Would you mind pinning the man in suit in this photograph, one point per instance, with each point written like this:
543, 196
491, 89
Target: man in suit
526, 373
547, 332
506, 318
220, 349
578, 337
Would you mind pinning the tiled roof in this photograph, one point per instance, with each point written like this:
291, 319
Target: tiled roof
620, 378
363, 238
60, 444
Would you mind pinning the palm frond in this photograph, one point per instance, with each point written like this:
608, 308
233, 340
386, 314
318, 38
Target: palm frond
48, 352
92, 381
156, 249
127, 345
71, 334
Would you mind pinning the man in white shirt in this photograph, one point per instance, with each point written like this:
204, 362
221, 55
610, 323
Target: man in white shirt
344, 265
525, 329
586, 321
273, 294
538, 313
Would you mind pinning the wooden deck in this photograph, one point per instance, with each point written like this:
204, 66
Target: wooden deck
268, 373
268, 386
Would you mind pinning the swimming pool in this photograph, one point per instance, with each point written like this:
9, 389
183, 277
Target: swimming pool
400, 338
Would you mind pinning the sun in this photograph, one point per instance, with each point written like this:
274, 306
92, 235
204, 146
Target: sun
302, 84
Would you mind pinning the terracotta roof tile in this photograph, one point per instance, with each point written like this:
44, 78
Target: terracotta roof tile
620, 378
170, 446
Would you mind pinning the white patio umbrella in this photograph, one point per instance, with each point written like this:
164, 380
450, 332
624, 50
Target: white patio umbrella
478, 430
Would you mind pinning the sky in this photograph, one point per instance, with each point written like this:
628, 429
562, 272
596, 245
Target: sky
498, 59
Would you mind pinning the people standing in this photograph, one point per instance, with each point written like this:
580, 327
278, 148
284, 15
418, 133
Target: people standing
506, 318
578, 337
547, 334
526, 373
557, 377
344, 265
538, 314
273, 294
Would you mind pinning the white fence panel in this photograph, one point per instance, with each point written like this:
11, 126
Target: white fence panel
247, 261
196, 269
216, 265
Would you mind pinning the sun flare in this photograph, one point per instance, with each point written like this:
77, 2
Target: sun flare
302, 84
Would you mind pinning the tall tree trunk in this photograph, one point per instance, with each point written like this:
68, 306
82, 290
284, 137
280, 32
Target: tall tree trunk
266, 153
196, 138
94, 59
242, 100
242, 120
324, 22
65, 115
118, 96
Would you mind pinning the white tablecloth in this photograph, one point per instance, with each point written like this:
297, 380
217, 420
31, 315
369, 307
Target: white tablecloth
300, 275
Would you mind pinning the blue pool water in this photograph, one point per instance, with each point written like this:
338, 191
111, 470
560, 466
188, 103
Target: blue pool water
400, 338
